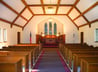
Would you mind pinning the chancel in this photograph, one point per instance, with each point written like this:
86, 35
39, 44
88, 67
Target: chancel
48, 35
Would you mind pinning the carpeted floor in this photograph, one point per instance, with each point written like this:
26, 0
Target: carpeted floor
50, 60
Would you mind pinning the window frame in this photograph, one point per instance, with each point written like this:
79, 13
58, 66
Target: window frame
96, 35
0, 35
46, 29
55, 29
4, 35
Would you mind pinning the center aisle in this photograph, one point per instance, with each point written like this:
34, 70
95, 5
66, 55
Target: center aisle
51, 61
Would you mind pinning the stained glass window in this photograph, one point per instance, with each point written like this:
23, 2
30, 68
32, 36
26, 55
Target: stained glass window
50, 28
55, 28
46, 29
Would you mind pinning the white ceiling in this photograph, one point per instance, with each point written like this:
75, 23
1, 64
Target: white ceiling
63, 10
13, 10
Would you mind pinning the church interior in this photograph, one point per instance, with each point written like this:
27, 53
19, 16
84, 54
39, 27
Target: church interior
48, 36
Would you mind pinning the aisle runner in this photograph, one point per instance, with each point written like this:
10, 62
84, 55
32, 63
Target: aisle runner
51, 61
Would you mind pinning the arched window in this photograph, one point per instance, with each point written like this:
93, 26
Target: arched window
55, 28
50, 28
46, 29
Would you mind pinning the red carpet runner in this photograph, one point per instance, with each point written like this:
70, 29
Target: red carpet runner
51, 61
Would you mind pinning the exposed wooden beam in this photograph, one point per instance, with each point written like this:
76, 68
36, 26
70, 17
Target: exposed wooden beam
86, 20
96, 20
23, 17
58, 6
51, 5
70, 10
0, 0
77, 10
9, 22
94, 5
77, 1
24, 2
83, 16
5, 21
83, 25
28, 22
17, 17
49, 14
18, 25
73, 6
42, 4
11, 9
73, 22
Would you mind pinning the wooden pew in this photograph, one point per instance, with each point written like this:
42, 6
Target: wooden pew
89, 64
24, 56
70, 55
77, 59
34, 44
30, 51
68, 47
33, 50
10, 64
76, 49
68, 52
34, 47
80, 52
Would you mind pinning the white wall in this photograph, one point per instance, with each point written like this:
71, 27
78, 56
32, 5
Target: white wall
89, 34
11, 34
68, 28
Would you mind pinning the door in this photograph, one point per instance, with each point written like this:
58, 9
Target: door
18, 38
82, 38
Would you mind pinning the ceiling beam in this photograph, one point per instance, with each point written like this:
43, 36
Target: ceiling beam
17, 17
57, 6
73, 22
83, 16
9, 22
27, 22
18, 25
5, 21
48, 14
94, 5
51, 5
24, 2
86, 20
11, 9
0, 0
77, 10
42, 5
73, 6
96, 20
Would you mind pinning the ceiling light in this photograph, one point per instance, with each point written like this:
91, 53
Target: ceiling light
50, 7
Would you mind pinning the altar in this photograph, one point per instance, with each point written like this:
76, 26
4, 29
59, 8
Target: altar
50, 40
